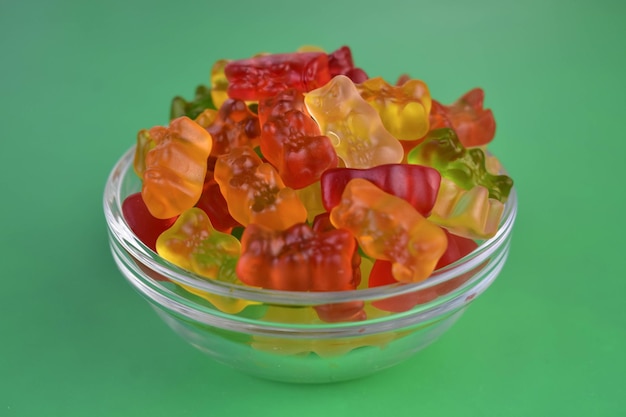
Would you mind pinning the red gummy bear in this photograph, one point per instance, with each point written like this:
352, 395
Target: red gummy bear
141, 222
416, 184
473, 125
292, 141
235, 125
267, 75
213, 203
280, 104
322, 224
340, 63
349, 310
302, 259
296, 259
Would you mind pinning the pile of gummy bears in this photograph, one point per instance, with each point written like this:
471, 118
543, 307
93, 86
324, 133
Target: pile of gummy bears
299, 172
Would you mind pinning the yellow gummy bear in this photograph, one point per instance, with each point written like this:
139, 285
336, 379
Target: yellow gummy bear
193, 244
311, 197
219, 83
325, 348
468, 213
310, 48
206, 118
403, 110
144, 145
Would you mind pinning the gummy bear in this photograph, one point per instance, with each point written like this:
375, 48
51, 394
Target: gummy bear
414, 183
281, 103
219, 83
265, 76
311, 197
340, 62
322, 224
206, 118
144, 145
310, 48
458, 247
141, 222
193, 244
292, 142
303, 259
201, 101
381, 274
234, 125
254, 191
276, 313
402, 78
388, 227
473, 125
403, 109
324, 348
442, 150
212, 202
353, 125
175, 167
469, 213
344, 311
297, 259
492, 164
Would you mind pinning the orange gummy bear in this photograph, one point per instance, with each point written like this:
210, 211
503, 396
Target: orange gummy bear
254, 191
174, 167
387, 227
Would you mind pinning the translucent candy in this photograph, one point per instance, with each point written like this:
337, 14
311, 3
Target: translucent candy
442, 150
403, 109
254, 191
469, 213
175, 167
192, 243
353, 126
387, 227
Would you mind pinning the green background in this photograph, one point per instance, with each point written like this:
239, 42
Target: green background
79, 79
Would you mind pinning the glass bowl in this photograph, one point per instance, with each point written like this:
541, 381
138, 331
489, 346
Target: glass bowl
279, 335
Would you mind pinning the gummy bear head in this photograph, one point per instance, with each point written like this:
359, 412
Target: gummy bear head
332, 101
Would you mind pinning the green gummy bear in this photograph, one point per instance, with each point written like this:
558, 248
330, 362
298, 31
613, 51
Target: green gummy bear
201, 101
442, 150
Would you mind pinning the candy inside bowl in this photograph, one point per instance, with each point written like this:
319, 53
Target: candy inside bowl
305, 294
278, 335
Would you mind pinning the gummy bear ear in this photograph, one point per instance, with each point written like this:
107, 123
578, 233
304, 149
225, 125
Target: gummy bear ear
334, 92
346, 88
337, 94
474, 98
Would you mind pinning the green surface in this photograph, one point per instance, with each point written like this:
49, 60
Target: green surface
78, 79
